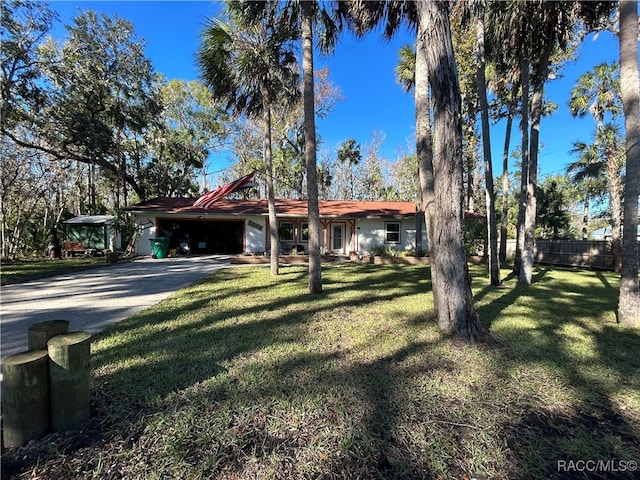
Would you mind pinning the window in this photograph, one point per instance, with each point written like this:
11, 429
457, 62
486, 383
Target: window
304, 232
392, 232
286, 231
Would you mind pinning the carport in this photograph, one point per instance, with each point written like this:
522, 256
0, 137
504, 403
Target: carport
203, 235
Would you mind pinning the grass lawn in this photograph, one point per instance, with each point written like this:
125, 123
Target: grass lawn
243, 376
25, 270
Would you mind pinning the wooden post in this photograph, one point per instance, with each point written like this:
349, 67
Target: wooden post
25, 397
40, 333
69, 380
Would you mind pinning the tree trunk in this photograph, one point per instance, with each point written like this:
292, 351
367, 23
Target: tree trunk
470, 201
273, 220
586, 214
526, 270
629, 297
504, 221
524, 177
315, 229
424, 145
457, 315
614, 187
492, 229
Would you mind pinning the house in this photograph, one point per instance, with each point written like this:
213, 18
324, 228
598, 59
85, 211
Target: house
234, 226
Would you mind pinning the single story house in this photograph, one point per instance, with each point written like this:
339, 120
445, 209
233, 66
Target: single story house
233, 226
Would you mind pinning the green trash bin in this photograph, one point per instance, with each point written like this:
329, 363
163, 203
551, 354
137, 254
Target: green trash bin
160, 247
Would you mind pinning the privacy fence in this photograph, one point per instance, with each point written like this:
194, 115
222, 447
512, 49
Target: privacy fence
572, 253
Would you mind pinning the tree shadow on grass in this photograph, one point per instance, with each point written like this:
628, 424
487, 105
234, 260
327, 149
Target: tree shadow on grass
570, 337
596, 424
290, 388
186, 341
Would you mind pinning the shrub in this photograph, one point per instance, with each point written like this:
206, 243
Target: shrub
384, 251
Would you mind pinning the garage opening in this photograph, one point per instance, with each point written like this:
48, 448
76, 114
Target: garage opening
204, 236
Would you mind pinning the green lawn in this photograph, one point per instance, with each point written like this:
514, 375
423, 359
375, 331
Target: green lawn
25, 270
245, 376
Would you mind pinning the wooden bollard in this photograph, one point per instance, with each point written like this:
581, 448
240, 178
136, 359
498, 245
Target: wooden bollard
69, 379
40, 333
25, 397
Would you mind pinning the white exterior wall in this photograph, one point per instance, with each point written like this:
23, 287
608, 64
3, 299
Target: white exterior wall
256, 230
371, 233
255, 237
143, 245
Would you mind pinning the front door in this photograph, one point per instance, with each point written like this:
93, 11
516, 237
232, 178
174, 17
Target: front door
337, 238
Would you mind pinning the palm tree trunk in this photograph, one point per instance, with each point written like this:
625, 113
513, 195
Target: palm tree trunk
492, 229
424, 144
524, 177
457, 315
315, 229
614, 187
470, 171
629, 297
526, 272
586, 214
273, 219
505, 189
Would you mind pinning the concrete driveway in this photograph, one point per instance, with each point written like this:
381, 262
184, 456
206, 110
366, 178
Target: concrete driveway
92, 299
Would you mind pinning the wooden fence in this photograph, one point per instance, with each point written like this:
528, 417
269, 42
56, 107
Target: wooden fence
572, 253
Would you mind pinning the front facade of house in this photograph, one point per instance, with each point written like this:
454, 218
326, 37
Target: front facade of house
242, 226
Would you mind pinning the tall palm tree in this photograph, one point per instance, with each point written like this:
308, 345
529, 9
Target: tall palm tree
435, 67
492, 229
510, 101
246, 65
406, 77
531, 32
587, 174
598, 171
598, 93
406, 68
503, 80
349, 153
613, 164
301, 17
363, 16
629, 296
313, 208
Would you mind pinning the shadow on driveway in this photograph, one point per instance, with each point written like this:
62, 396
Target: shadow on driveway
92, 299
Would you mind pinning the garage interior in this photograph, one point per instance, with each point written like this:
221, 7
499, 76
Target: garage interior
203, 236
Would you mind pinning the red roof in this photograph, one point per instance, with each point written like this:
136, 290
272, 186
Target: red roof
284, 207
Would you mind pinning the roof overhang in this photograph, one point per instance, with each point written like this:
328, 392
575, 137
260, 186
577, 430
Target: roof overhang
90, 220
284, 208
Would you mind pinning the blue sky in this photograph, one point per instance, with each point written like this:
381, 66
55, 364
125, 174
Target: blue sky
362, 68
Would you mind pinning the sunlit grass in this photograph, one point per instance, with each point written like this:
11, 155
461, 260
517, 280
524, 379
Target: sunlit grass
247, 376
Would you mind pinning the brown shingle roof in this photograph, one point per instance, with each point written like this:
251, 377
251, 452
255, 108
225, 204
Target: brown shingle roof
284, 207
